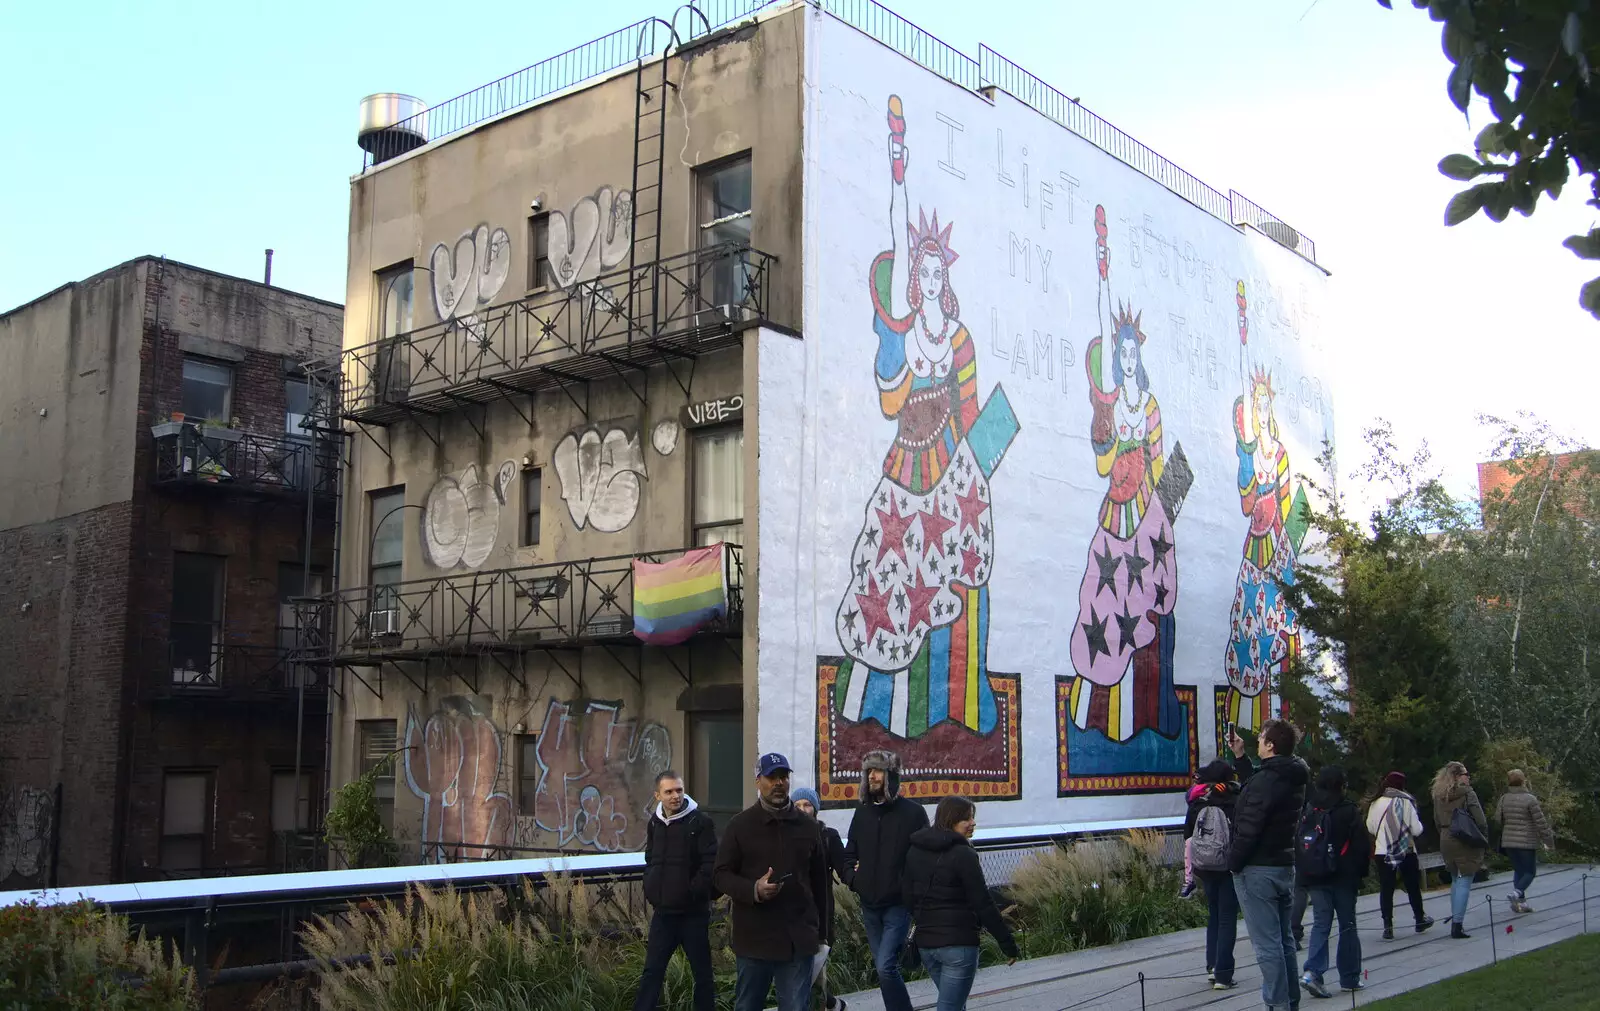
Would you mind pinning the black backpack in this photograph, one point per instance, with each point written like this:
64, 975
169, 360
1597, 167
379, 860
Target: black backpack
1314, 853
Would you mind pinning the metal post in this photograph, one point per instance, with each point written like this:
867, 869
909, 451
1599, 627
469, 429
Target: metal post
267, 280
1494, 943
1584, 884
1141, 992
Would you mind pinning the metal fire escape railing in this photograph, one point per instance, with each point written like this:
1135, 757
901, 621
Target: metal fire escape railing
189, 454
197, 662
600, 328
546, 606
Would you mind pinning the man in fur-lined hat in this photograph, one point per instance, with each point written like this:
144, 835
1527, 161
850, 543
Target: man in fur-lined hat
880, 837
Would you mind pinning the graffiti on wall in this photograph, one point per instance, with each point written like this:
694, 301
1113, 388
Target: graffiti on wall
913, 621
602, 476
1264, 631
27, 836
596, 778
461, 516
1126, 727
593, 237
469, 273
453, 764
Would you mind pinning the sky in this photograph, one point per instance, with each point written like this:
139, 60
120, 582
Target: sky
208, 132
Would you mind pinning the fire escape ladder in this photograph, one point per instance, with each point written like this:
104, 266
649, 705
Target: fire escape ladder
650, 95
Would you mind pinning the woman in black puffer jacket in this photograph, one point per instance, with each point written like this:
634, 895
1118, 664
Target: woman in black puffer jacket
949, 901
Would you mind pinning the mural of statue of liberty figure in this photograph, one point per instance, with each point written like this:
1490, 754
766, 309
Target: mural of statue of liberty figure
1265, 632
1122, 641
913, 622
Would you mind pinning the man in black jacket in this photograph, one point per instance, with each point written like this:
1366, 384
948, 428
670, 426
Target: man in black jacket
680, 851
1265, 819
1348, 849
771, 865
880, 837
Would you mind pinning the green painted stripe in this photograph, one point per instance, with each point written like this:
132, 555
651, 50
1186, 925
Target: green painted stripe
917, 705
678, 605
841, 684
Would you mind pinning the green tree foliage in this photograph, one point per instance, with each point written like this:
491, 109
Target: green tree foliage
1379, 671
354, 827
67, 957
1531, 60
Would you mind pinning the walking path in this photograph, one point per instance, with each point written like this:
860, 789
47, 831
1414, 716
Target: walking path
1174, 964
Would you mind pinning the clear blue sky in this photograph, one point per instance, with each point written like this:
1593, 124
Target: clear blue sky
210, 131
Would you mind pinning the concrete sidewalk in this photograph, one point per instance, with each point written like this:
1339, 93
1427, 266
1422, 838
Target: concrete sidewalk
1174, 964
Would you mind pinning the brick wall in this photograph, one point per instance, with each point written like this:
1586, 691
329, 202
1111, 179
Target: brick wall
63, 591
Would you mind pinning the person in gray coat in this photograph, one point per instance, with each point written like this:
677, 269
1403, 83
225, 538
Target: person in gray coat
1523, 831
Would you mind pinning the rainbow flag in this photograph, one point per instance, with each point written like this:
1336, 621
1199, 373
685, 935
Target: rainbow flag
674, 600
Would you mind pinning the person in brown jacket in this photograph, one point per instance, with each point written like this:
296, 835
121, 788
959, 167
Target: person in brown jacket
773, 868
1463, 857
1523, 831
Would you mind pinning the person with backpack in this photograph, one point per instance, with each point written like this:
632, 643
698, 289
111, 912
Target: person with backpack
1395, 825
680, 850
1463, 837
1523, 829
1331, 855
1265, 820
1208, 835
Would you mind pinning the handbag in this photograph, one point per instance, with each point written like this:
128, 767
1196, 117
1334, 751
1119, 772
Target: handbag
910, 957
1466, 830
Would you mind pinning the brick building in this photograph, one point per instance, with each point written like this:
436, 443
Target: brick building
162, 466
682, 286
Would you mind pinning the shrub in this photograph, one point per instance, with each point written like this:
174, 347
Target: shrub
57, 957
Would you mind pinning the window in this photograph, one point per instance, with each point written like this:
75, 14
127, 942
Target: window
716, 770
394, 300
540, 274
725, 218
207, 391
532, 490
718, 507
387, 527
528, 772
290, 813
376, 739
185, 814
195, 632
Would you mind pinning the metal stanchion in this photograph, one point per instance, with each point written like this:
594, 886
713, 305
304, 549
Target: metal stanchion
1584, 884
1141, 992
1494, 944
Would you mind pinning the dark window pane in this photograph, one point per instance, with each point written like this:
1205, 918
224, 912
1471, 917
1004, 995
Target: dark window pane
532, 491
207, 390
726, 190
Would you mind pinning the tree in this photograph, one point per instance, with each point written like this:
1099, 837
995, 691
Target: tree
1530, 59
1377, 615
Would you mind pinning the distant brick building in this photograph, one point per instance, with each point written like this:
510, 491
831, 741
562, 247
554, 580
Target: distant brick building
1495, 476
161, 465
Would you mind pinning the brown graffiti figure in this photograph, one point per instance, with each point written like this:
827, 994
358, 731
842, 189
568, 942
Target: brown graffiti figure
597, 776
452, 763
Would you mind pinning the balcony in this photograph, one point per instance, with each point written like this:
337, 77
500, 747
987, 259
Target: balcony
198, 665
229, 460
557, 605
662, 313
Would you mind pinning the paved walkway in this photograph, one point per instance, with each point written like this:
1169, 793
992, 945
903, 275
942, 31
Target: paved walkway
1174, 964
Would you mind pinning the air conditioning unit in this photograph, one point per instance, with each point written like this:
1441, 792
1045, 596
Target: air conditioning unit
385, 622
187, 676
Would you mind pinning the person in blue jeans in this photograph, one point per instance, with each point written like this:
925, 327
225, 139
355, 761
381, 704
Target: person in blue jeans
880, 837
1333, 892
1265, 819
1463, 858
1208, 829
950, 902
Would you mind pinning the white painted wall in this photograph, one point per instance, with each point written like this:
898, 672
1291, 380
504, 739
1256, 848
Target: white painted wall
1019, 193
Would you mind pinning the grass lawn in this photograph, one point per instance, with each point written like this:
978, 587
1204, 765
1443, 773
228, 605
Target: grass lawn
1564, 975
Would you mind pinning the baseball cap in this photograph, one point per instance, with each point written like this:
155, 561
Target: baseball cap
769, 763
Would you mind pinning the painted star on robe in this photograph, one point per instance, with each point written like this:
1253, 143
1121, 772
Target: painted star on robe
1136, 564
895, 525
1160, 546
875, 612
934, 527
920, 596
1095, 630
1127, 624
1108, 570
971, 506
971, 563
1161, 594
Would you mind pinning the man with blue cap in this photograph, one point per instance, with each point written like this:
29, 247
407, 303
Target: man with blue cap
773, 868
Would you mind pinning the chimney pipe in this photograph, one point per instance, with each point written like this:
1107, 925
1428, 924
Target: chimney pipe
268, 280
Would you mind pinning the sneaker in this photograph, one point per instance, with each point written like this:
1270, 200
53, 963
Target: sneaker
1459, 933
1220, 985
1314, 987
1357, 985
1424, 923
1211, 976
1388, 932
1187, 890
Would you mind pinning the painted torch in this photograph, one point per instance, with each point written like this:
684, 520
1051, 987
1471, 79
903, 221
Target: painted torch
1102, 250
1244, 321
897, 133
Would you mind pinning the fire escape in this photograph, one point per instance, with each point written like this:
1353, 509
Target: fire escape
658, 312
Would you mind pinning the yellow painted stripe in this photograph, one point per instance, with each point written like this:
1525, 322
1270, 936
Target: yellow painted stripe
967, 371
1114, 712
1072, 699
677, 588
972, 659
